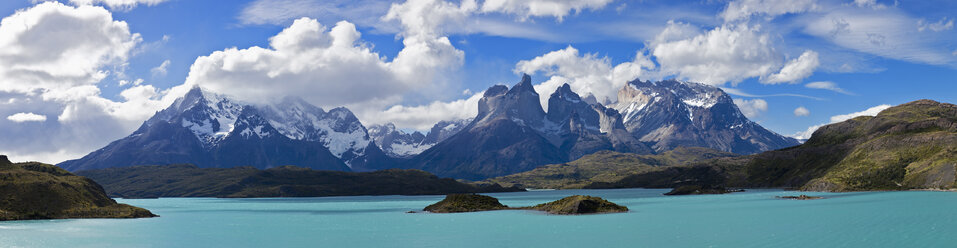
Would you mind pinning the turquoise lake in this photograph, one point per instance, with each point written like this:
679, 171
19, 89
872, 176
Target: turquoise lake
748, 219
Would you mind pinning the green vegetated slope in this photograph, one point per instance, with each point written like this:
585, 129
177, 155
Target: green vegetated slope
286, 181
41, 191
910, 146
607, 167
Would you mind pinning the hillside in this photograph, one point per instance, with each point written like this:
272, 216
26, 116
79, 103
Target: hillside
286, 181
910, 146
34, 190
605, 167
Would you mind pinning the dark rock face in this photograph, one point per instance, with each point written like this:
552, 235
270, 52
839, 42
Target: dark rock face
214, 131
461, 203
585, 128
41, 191
580, 204
499, 147
670, 113
511, 134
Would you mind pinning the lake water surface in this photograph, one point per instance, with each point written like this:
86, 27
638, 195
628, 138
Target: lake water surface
748, 219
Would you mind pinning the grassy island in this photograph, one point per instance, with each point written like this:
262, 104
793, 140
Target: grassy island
572, 205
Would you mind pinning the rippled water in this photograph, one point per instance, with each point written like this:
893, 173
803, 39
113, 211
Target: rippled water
749, 219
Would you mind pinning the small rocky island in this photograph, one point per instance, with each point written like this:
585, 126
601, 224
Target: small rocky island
580, 204
800, 197
699, 190
572, 205
460, 203
32, 190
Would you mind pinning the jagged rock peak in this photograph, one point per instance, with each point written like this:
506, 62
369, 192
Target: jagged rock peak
565, 92
523, 86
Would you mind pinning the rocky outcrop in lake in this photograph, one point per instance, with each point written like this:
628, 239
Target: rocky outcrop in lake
32, 190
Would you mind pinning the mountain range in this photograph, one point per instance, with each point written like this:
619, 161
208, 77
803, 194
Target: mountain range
511, 133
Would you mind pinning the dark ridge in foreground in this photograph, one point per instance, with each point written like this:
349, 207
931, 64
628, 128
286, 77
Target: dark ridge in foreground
186, 180
698, 190
572, 205
31, 191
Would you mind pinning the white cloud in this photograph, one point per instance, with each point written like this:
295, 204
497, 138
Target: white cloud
138, 81
872, 111
585, 73
675, 31
869, 4
35, 58
728, 53
306, 59
424, 116
739, 92
26, 117
801, 111
942, 25
752, 108
795, 70
118, 4
50, 77
827, 85
744, 9
160, 70
888, 33
555, 8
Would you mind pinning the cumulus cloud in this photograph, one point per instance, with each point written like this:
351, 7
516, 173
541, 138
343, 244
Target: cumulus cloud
160, 70
52, 78
675, 31
35, 59
729, 53
827, 85
751, 108
329, 64
26, 117
585, 73
801, 111
118, 4
555, 8
744, 9
872, 111
795, 70
942, 25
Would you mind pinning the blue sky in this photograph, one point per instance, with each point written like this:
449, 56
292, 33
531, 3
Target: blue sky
830, 57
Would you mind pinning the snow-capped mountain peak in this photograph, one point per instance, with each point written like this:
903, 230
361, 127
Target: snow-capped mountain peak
213, 117
671, 113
